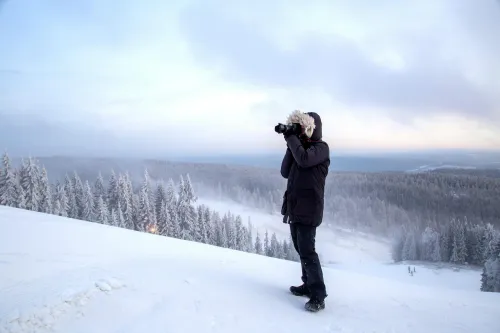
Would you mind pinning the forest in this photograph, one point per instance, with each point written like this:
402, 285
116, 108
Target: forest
154, 207
439, 216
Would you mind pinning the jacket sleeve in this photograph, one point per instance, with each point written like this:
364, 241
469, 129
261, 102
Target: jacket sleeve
286, 164
310, 157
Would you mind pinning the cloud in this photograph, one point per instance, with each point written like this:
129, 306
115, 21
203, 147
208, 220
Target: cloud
416, 73
155, 78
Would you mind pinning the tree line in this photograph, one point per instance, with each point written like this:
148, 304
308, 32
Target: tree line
166, 209
380, 202
375, 202
458, 242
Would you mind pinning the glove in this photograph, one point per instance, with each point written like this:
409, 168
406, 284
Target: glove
288, 134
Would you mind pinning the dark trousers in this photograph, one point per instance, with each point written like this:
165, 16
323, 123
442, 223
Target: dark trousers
304, 238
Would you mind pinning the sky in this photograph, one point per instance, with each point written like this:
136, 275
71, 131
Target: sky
197, 77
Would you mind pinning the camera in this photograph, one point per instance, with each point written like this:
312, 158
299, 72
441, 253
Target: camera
294, 128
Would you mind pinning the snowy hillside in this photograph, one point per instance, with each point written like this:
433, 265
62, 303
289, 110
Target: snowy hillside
76, 276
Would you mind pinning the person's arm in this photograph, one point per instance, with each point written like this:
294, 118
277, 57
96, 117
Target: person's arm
286, 164
310, 157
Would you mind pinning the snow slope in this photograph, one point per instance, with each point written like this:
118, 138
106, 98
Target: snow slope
63, 275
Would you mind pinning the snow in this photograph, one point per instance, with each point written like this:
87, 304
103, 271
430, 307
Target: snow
63, 275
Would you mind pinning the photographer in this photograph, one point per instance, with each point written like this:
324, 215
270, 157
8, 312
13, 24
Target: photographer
305, 166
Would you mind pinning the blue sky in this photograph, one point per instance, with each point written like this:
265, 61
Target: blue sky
190, 77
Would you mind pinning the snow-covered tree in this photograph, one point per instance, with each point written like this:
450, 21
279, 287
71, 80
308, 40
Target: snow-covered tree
88, 213
8, 195
210, 229
79, 194
160, 198
291, 253
101, 213
113, 194
488, 237
258, 245
230, 229
240, 236
459, 248
21, 196
61, 205
410, 247
275, 248
99, 189
200, 227
490, 278
121, 218
70, 194
45, 193
113, 218
145, 220
163, 220
29, 179
125, 200
267, 247
249, 237
186, 212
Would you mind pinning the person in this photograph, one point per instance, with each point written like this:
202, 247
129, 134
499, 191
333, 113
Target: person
305, 166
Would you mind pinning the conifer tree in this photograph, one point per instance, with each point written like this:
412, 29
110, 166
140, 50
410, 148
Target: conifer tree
29, 177
61, 206
267, 248
146, 188
99, 189
121, 218
113, 218
70, 194
79, 195
186, 212
160, 198
112, 195
144, 219
135, 210
229, 228
249, 237
163, 220
125, 200
258, 245
210, 231
8, 194
88, 213
101, 214
458, 250
21, 199
200, 230
275, 248
45, 193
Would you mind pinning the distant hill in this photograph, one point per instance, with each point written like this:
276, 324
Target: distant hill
370, 162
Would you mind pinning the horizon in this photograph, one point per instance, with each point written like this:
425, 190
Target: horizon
196, 78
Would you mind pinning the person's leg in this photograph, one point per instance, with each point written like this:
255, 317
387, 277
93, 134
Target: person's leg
306, 238
300, 290
293, 231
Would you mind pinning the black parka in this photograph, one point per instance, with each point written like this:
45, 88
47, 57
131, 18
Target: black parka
305, 165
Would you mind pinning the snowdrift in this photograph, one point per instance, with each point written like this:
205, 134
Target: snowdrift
63, 275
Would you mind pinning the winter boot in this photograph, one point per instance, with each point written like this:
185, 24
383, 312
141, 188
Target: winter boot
315, 304
300, 290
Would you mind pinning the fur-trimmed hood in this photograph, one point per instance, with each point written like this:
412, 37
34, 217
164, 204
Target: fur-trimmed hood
310, 121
